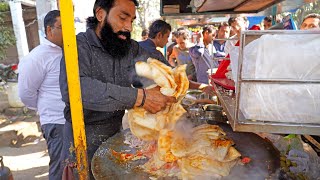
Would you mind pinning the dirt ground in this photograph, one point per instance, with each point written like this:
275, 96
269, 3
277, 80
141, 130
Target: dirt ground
26, 157
27, 162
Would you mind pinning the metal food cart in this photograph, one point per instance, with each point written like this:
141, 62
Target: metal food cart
201, 10
231, 103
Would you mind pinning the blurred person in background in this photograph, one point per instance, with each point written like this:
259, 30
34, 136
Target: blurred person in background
201, 57
159, 32
39, 88
223, 33
238, 25
232, 22
173, 43
267, 22
144, 34
310, 21
180, 54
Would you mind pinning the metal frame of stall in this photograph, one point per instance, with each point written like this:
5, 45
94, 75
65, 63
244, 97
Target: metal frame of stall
231, 102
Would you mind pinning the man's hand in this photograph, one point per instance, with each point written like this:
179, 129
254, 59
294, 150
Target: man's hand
155, 101
207, 89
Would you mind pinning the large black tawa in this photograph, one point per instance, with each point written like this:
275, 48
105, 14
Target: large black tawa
264, 158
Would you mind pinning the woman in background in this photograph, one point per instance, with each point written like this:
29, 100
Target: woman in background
180, 53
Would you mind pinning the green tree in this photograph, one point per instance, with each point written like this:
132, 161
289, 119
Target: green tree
304, 10
147, 11
7, 38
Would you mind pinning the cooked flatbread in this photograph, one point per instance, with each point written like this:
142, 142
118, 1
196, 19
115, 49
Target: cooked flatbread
142, 125
232, 154
165, 77
207, 130
182, 82
218, 149
151, 71
198, 165
164, 146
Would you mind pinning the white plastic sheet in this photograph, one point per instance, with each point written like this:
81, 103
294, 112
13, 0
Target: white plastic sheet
295, 103
294, 56
278, 57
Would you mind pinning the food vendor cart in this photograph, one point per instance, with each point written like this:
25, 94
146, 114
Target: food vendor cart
204, 9
103, 166
232, 105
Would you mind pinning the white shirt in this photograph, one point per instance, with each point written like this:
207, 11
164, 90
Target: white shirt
39, 82
230, 44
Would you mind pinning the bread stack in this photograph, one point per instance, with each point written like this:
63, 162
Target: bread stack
173, 82
202, 151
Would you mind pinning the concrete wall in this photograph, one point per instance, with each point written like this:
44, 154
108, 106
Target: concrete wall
30, 21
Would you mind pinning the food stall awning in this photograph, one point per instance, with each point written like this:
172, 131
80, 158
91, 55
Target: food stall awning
202, 8
285, 6
187, 9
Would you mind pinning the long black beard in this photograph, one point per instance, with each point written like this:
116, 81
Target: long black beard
116, 47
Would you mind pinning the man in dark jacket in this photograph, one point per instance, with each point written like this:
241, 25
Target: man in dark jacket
107, 56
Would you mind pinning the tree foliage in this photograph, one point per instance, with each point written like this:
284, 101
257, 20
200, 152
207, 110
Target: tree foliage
306, 9
148, 11
7, 38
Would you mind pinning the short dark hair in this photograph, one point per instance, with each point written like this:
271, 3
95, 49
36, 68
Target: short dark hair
158, 26
181, 29
208, 28
312, 15
145, 32
267, 18
183, 33
223, 24
175, 33
92, 21
231, 20
50, 19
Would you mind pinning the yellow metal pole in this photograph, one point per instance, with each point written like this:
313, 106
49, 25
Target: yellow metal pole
72, 67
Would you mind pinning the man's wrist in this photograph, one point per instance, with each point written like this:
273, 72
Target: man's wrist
202, 86
139, 97
143, 98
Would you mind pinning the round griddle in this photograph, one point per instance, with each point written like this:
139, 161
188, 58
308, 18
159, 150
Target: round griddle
264, 158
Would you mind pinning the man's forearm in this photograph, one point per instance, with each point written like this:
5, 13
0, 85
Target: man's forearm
196, 85
107, 96
29, 101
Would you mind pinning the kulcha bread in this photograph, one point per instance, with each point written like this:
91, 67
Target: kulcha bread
204, 151
198, 157
172, 82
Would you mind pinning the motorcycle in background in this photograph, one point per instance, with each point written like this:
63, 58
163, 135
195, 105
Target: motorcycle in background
9, 83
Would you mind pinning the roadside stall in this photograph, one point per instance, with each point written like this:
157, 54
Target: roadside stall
189, 141
125, 156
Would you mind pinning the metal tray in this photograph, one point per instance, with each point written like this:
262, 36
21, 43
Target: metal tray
265, 158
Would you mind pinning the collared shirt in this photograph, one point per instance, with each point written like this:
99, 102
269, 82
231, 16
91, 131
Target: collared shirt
105, 81
39, 82
219, 49
150, 47
202, 60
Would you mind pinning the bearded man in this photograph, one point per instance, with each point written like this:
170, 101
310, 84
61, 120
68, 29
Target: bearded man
107, 56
